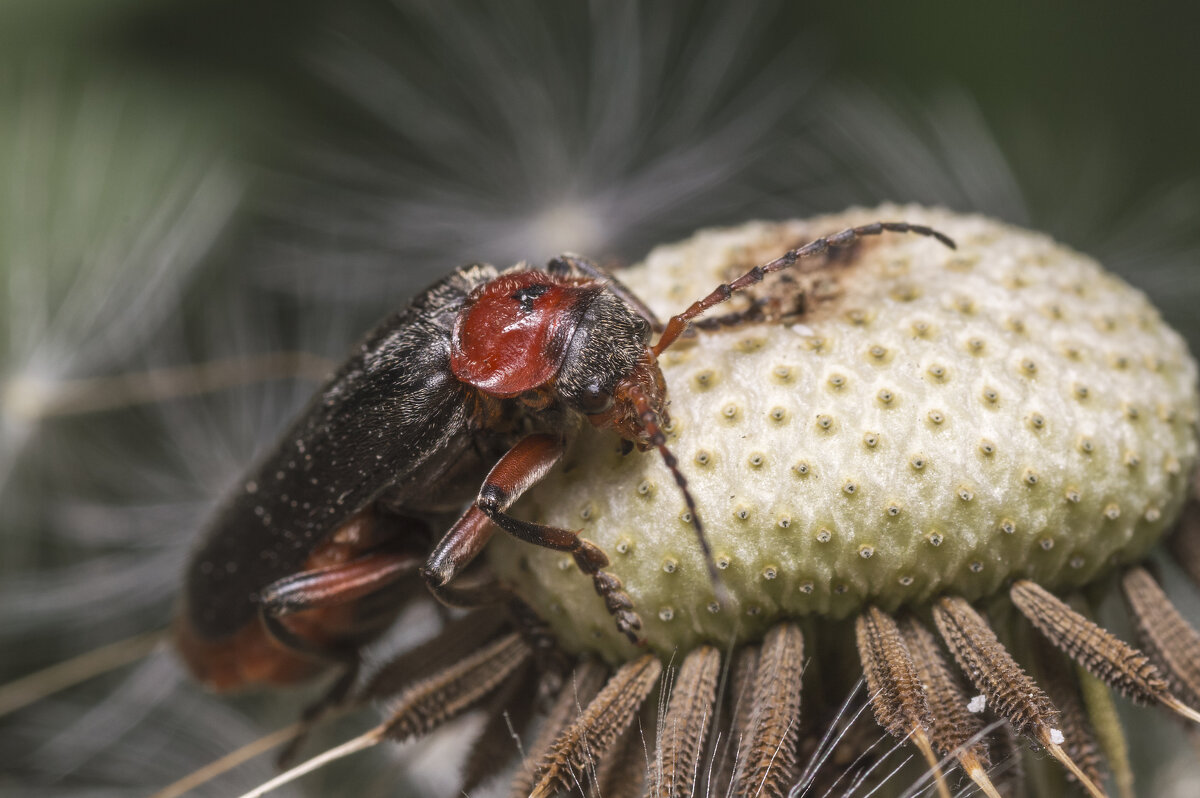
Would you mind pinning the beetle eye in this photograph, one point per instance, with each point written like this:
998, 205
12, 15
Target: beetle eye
595, 399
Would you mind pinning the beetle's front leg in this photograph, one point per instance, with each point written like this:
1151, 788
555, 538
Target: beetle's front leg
518, 470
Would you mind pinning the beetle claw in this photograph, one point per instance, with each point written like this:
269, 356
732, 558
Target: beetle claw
590, 557
629, 624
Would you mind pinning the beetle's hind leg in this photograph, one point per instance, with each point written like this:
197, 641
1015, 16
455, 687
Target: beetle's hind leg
327, 597
329, 593
520, 468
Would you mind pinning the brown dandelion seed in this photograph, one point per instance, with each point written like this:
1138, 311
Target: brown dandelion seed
683, 730
434, 700
575, 694
1115, 662
897, 695
769, 750
953, 730
1058, 678
586, 741
621, 773
1170, 639
457, 640
741, 703
509, 711
1009, 690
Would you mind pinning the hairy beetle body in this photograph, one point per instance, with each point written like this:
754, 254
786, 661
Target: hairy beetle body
343, 505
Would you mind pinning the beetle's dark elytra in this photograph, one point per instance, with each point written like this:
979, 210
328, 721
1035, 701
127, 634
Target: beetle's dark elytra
392, 418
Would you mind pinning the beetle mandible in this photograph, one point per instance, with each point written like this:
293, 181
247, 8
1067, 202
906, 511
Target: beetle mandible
484, 376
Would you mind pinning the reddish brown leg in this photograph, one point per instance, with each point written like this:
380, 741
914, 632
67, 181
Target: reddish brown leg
334, 697
457, 549
454, 552
519, 469
327, 588
334, 585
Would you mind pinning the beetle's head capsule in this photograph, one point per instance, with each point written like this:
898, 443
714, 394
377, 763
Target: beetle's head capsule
608, 355
638, 403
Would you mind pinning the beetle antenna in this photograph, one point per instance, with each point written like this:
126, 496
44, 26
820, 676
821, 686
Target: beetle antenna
650, 423
679, 324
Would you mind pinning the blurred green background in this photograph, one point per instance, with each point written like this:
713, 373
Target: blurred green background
1080, 74
194, 182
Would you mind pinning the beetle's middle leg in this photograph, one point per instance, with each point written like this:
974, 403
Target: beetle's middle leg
523, 466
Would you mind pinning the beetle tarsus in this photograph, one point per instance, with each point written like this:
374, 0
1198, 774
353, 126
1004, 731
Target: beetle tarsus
589, 557
630, 625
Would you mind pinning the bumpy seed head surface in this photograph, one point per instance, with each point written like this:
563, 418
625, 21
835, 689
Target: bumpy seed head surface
906, 421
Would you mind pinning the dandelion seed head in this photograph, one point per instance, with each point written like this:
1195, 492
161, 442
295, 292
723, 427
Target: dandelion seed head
365, 227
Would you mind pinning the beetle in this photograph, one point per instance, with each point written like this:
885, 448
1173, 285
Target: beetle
481, 380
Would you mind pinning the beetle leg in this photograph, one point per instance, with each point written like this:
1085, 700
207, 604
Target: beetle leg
333, 585
334, 697
346, 656
519, 469
453, 553
321, 588
328, 587
457, 548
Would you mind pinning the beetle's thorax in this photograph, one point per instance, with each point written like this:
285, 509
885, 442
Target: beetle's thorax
551, 340
513, 332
